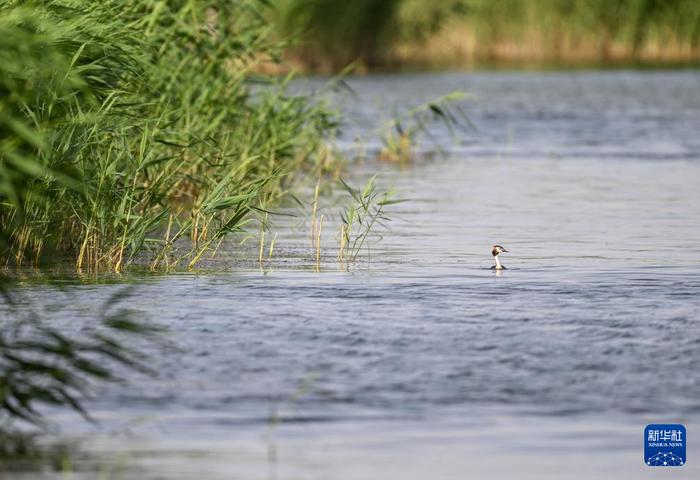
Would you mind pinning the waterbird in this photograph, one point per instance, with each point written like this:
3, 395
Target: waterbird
495, 251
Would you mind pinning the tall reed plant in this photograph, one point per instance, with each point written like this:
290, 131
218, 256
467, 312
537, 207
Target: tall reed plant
132, 128
362, 217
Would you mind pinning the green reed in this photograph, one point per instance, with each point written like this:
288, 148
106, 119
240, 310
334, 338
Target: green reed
400, 135
362, 217
131, 128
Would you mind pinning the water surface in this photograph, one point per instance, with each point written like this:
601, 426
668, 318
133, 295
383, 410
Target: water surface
422, 362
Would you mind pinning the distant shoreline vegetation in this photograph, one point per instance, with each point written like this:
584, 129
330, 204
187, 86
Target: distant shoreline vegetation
385, 34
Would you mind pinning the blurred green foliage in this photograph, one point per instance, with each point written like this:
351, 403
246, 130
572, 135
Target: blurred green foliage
370, 30
631, 22
338, 33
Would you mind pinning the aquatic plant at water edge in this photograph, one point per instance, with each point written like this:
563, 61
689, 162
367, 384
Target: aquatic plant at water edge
129, 128
400, 134
362, 217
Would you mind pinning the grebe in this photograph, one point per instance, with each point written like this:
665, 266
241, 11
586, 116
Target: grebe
495, 251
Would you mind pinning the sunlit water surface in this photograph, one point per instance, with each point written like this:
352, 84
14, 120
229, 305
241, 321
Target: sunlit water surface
422, 362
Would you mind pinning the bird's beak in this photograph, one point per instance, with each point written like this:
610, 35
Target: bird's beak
506, 250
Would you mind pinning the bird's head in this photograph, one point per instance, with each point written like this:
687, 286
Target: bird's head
498, 249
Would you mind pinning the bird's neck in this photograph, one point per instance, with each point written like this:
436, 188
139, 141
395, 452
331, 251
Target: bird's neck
498, 262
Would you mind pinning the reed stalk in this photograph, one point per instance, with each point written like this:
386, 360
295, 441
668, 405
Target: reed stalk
129, 127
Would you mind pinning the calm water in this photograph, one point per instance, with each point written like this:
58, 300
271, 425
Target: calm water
423, 362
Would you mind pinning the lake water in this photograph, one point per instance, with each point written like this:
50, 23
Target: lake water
422, 362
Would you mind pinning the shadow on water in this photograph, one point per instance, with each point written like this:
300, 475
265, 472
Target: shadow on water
49, 360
